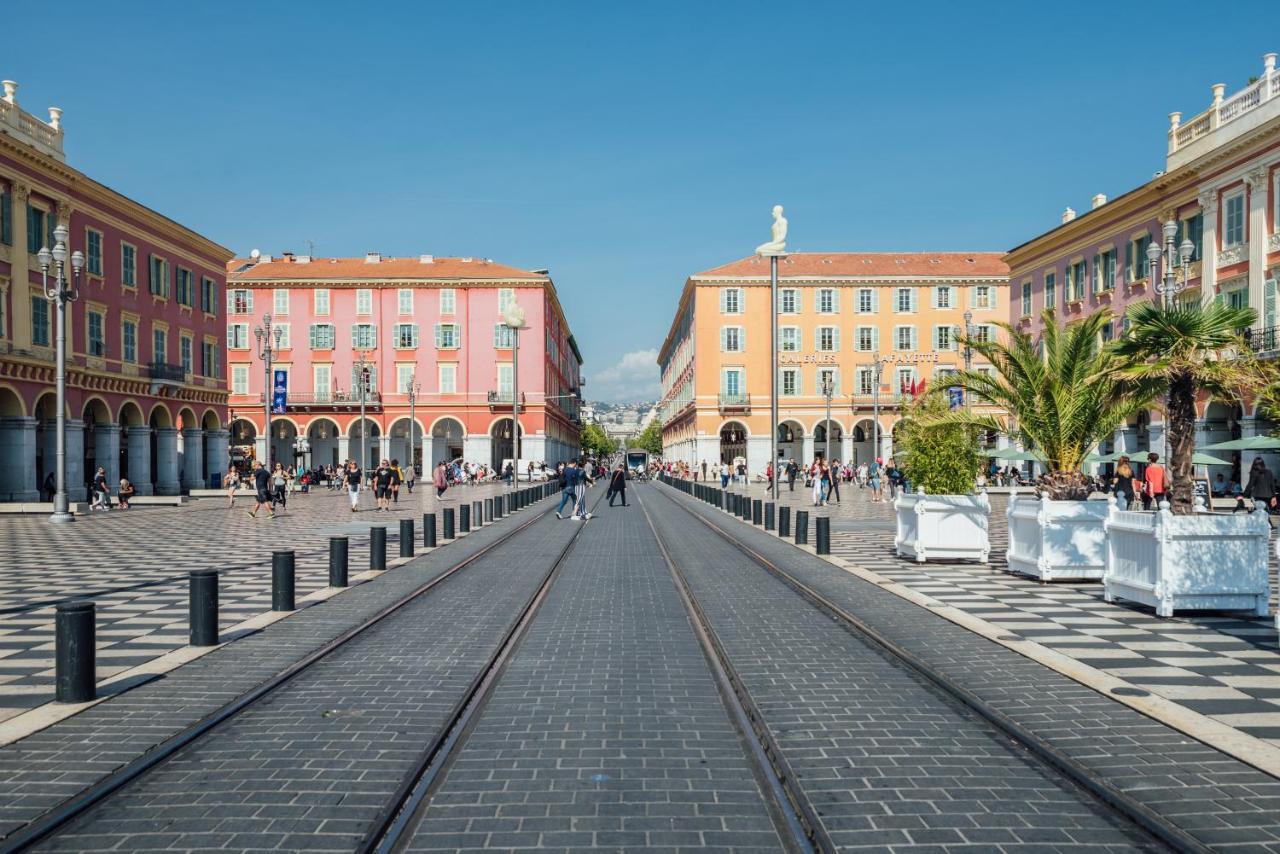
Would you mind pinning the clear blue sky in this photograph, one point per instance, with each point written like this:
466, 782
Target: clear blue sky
623, 146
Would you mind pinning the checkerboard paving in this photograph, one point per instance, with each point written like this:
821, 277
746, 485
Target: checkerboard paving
1225, 665
134, 565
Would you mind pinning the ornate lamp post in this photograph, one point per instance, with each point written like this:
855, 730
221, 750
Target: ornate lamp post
968, 353
1171, 283
362, 372
60, 294
268, 341
414, 388
773, 250
828, 389
514, 320
875, 406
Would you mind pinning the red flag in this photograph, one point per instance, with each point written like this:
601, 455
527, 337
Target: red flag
920, 388
913, 387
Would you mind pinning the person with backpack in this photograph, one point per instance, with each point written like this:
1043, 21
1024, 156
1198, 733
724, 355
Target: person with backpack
873, 479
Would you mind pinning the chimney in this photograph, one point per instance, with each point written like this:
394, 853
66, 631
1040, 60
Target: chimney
1098, 201
287, 256
426, 259
373, 257
1068, 215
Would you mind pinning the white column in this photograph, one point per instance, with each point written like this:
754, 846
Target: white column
193, 475
1248, 429
217, 454
1258, 198
138, 441
757, 456
1209, 246
476, 448
106, 450
886, 445
17, 458
806, 445
533, 448
1155, 434
344, 450
76, 490
167, 461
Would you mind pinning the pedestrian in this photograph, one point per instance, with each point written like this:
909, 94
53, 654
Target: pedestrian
101, 492
440, 479
817, 477
894, 478
50, 486
353, 480
704, 469
1122, 483
580, 495
568, 489
1153, 483
618, 486
873, 479
792, 471
410, 477
262, 490
397, 478
1261, 487
124, 493
383, 476
279, 487
836, 473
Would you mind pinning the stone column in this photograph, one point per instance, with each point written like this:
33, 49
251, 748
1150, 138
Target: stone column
260, 448
1248, 429
217, 454
344, 450
1209, 247
193, 476
476, 448
167, 461
1256, 181
76, 490
106, 450
19, 327
1155, 443
757, 457
18, 452
806, 448
138, 441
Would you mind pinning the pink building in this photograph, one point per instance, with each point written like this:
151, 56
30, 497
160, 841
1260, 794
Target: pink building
436, 322
146, 394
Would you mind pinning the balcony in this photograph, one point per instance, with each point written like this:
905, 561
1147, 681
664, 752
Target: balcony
1227, 118
503, 400
335, 401
1263, 339
23, 126
740, 403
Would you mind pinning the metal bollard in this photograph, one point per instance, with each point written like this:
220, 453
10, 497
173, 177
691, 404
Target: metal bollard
464, 518
823, 535
497, 507
746, 509
488, 510
282, 581
429, 530
757, 511
406, 538
477, 512
802, 527
339, 548
448, 523
769, 514
75, 652
784, 521
378, 548
202, 607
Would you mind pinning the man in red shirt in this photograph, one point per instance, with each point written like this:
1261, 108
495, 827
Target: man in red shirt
1155, 485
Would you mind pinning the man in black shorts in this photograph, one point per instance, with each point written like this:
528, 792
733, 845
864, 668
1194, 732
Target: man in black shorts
382, 478
262, 485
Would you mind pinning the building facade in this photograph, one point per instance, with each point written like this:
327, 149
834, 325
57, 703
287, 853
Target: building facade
433, 322
875, 327
1221, 189
146, 395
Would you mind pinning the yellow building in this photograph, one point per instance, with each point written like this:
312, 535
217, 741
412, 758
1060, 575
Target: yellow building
844, 318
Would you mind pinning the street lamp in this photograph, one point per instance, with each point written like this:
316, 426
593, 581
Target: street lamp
828, 389
268, 341
1169, 286
414, 388
60, 294
513, 319
875, 407
362, 371
968, 353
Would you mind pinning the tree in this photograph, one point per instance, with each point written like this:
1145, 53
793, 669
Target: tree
940, 458
1185, 349
1063, 390
596, 443
650, 438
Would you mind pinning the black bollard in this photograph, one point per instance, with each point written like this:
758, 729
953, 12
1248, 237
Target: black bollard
769, 511
784, 521
338, 553
497, 507
802, 527
488, 510
378, 548
823, 535
202, 607
448, 523
746, 509
282, 581
429, 530
757, 511
75, 652
477, 512
464, 518
406, 538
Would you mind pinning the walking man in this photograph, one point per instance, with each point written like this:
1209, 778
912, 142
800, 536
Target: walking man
835, 482
101, 492
568, 492
383, 476
262, 488
618, 485
792, 471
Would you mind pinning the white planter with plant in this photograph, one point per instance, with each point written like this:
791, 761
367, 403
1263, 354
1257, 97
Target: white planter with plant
1056, 540
1204, 561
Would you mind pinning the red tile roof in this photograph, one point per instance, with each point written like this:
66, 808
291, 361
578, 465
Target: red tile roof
828, 265
388, 268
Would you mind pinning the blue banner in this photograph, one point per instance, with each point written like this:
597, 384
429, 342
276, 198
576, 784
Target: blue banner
955, 397
279, 392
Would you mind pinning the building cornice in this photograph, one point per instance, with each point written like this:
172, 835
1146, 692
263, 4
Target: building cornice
849, 280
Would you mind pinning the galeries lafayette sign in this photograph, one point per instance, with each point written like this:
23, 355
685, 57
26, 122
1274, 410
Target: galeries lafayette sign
807, 358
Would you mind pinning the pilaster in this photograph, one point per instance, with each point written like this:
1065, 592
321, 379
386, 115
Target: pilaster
1256, 181
20, 270
1209, 246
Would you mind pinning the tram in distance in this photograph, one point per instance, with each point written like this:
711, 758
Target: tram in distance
637, 462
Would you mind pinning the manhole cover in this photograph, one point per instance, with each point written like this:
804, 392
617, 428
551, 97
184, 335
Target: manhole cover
1130, 692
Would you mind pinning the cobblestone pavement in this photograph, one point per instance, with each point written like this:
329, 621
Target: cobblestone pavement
1224, 665
606, 730
886, 760
134, 565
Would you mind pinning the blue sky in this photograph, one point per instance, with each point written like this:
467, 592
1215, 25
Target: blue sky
623, 146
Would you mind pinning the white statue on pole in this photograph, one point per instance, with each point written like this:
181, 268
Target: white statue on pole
777, 246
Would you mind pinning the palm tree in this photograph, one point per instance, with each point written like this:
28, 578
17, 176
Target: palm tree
1063, 391
1186, 349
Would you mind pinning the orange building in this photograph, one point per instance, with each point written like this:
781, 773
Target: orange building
871, 324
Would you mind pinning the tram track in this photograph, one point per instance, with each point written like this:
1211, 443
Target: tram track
64, 814
1132, 812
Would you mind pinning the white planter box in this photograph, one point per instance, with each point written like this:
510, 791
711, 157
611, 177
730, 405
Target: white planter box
1214, 561
1057, 540
942, 526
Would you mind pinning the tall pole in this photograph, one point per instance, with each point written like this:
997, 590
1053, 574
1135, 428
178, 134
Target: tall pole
773, 373
60, 296
826, 392
515, 405
875, 408
266, 352
968, 354
364, 427
413, 424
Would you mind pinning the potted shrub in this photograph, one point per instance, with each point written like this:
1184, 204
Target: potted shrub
943, 517
1064, 393
1182, 557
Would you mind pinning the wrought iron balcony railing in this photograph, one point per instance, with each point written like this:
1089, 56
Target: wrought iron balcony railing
735, 402
504, 398
1263, 339
338, 399
166, 371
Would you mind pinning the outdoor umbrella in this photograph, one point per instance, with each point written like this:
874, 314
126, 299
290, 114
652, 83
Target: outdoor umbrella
1199, 459
1254, 443
1013, 454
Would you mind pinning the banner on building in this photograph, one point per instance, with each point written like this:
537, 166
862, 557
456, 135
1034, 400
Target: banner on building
955, 397
279, 391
